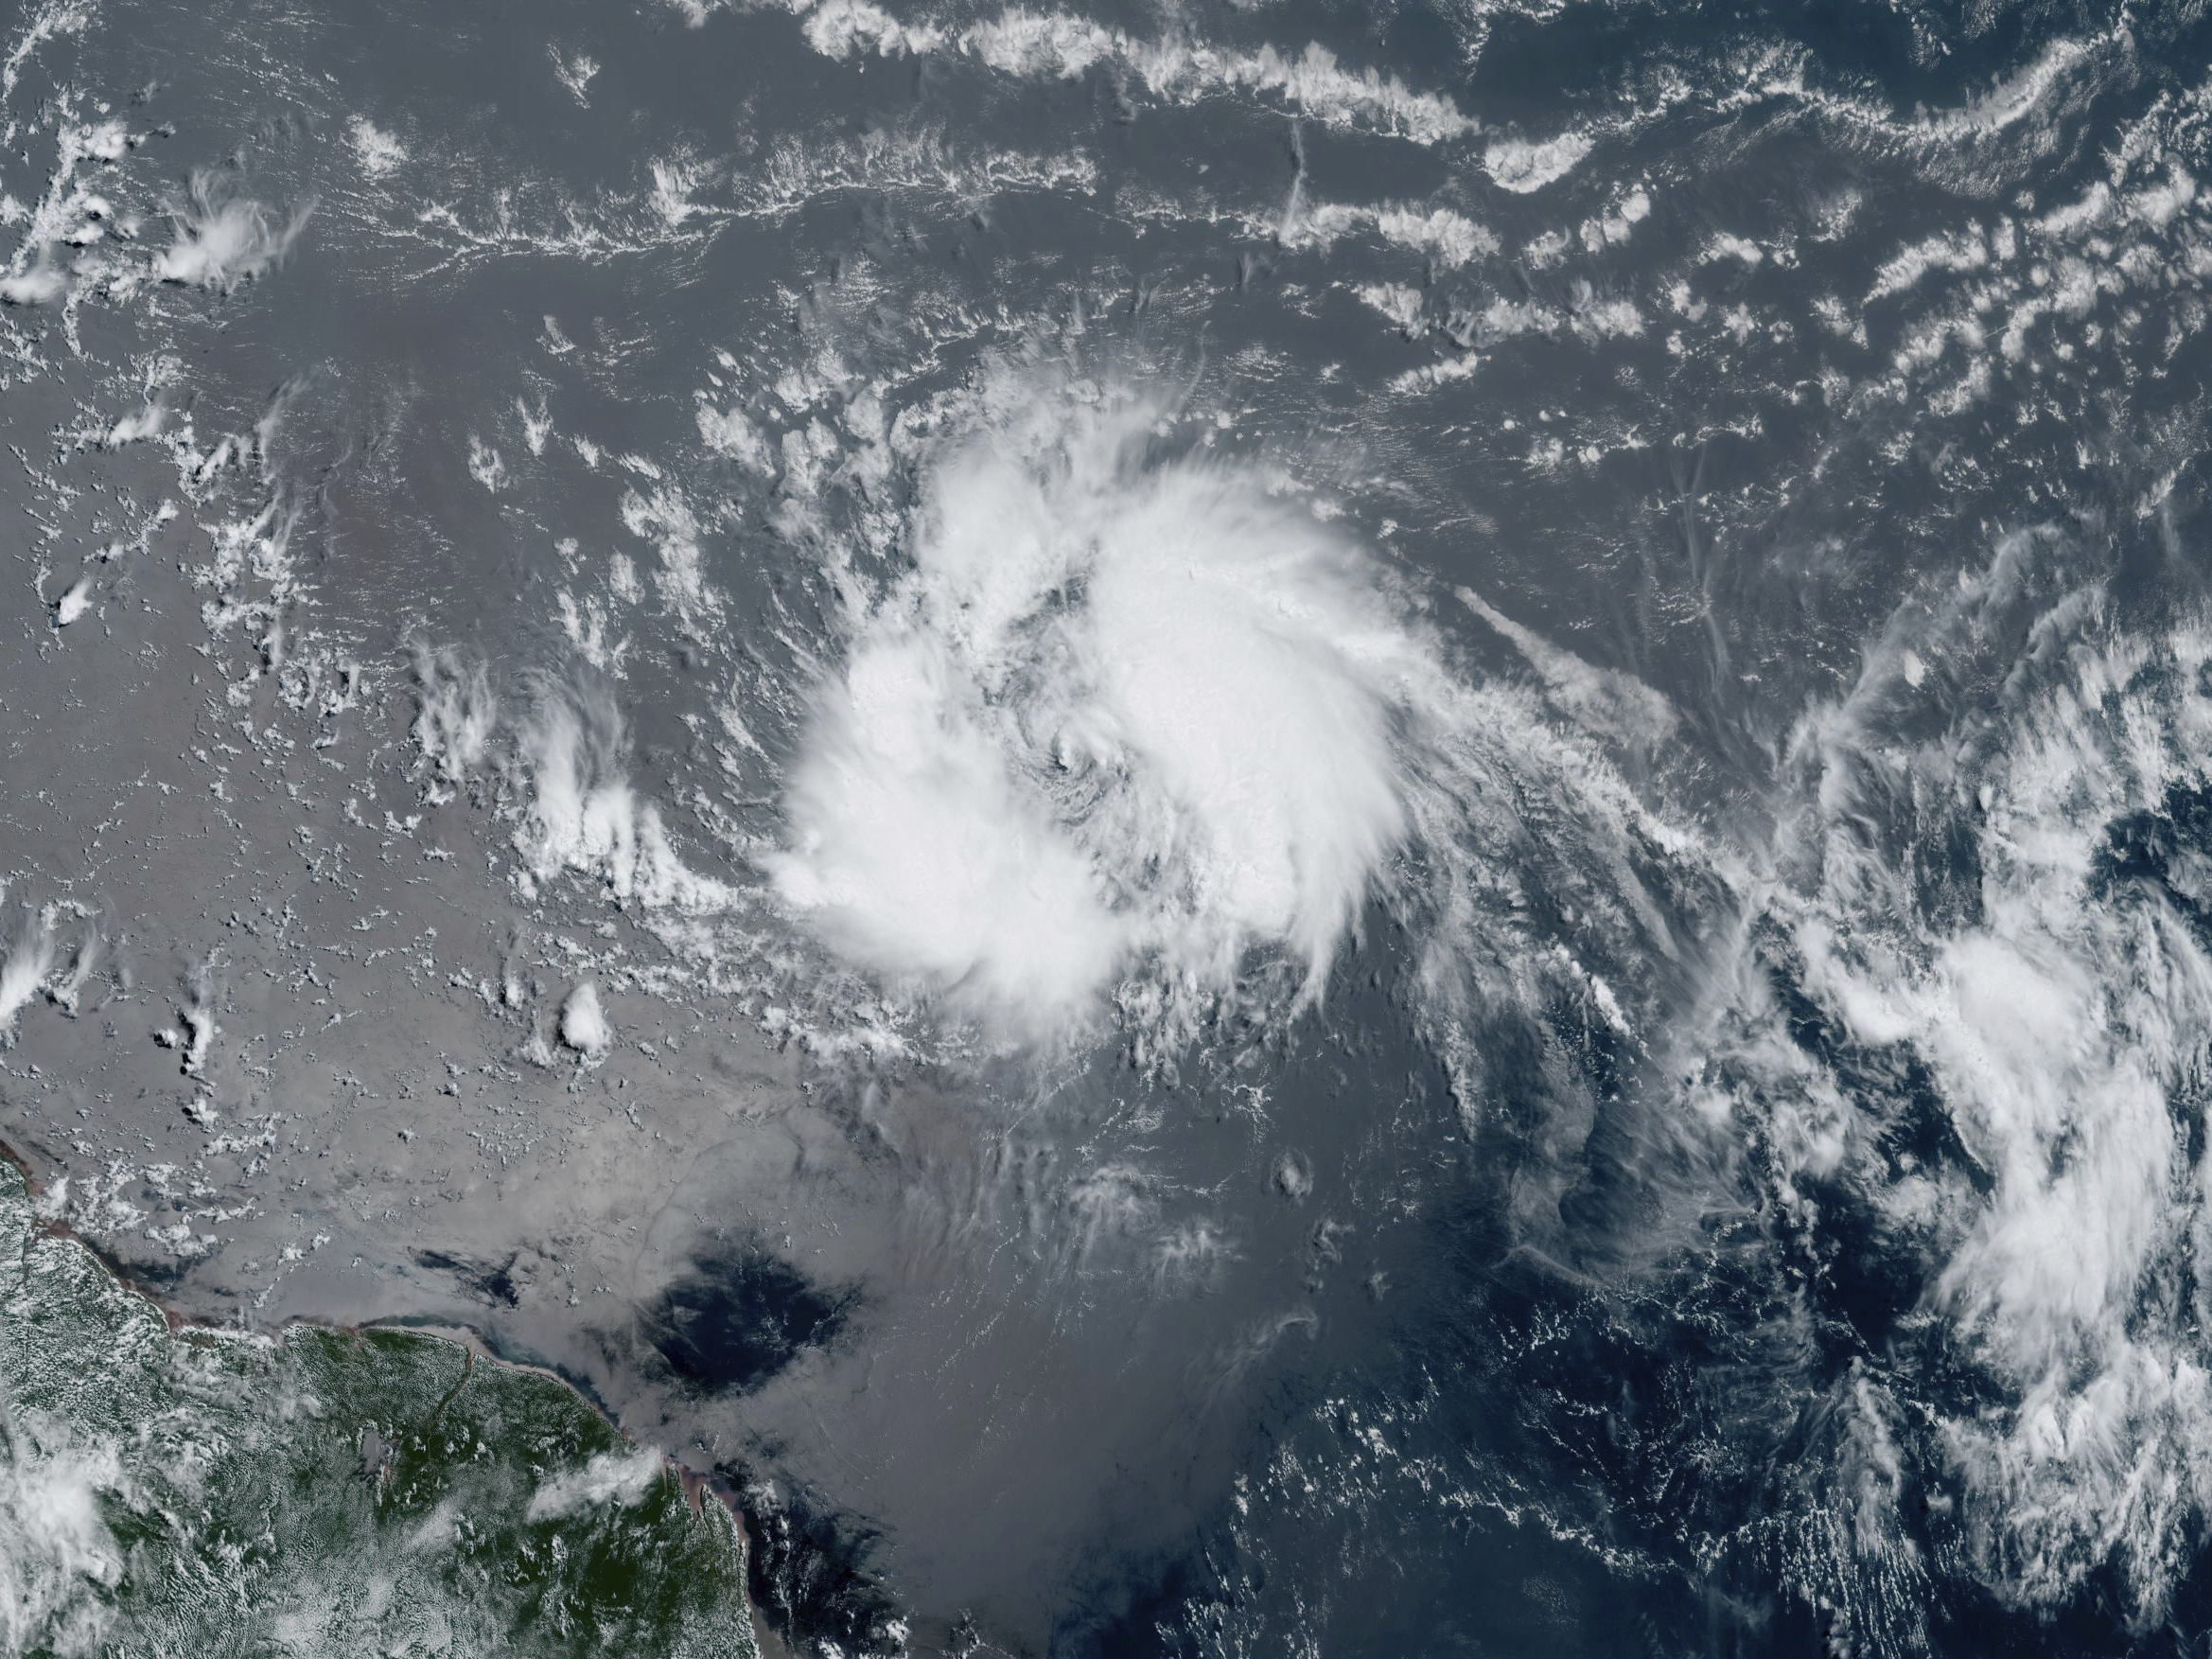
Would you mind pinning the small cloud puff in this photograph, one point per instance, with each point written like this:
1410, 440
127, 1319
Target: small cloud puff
584, 1024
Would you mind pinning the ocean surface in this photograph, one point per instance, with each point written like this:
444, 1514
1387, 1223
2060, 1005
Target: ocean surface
1225, 829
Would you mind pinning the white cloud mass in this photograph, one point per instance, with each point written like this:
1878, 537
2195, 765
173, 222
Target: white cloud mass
1124, 706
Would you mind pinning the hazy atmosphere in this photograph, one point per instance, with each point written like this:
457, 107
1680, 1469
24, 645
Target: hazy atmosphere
1231, 829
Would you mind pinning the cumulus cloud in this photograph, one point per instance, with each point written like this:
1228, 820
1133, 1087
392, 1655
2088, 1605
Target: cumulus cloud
615, 1477
67, 990
198, 1015
576, 70
141, 424
456, 713
1124, 706
1524, 166
1447, 238
75, 603
1138, 731
1060, 45
223, 238
24, 967
57, 1555
2060, 1020
381, 153
584, 1025
34, 286
584, 818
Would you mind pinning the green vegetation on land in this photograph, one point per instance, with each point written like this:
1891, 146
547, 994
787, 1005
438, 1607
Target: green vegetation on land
198, 1492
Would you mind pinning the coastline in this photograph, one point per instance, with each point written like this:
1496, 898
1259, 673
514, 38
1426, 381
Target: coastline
474, 1346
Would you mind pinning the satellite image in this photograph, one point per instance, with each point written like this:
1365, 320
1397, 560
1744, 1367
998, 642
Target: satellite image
1211, 828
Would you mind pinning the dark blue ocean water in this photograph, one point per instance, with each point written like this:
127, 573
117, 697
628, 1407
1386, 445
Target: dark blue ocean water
1835, 373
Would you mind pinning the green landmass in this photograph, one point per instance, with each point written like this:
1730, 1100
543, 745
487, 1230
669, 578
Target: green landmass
198, 1492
